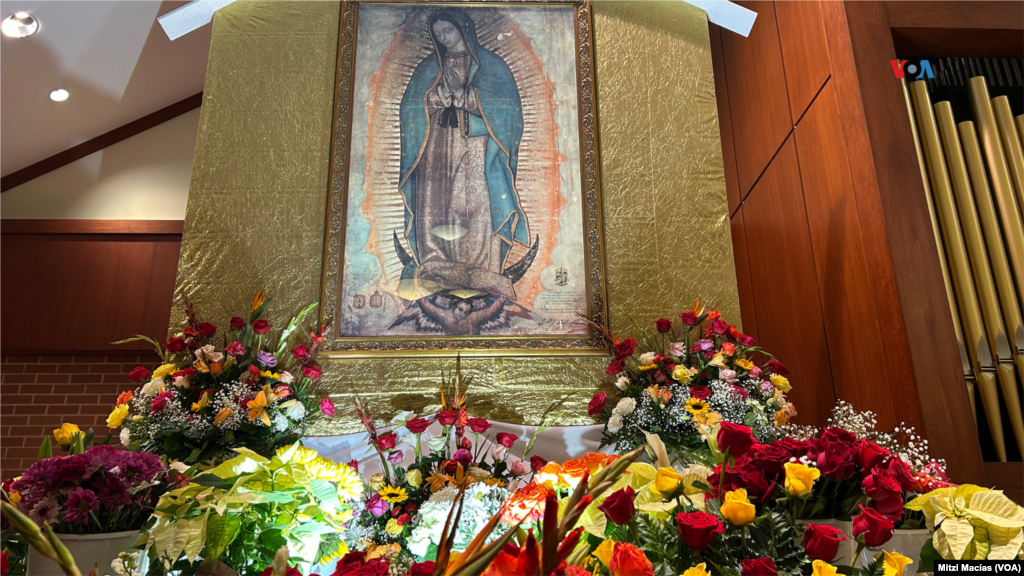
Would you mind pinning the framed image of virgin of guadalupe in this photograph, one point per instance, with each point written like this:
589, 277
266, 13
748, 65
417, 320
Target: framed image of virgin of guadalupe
464, 209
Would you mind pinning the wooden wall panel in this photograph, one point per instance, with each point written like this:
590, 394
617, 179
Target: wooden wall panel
758, 101
732, 186
68, 291
804, 52
746, 289
785, 287
983, 14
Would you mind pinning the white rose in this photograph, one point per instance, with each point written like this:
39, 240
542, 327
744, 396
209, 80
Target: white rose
180, 382
294, 409
621, 382
179, 466
615, 423
126, 437
499, 451
287, 378
625, 407
437, 443
403, 417
206, 354
152, 388
647, 358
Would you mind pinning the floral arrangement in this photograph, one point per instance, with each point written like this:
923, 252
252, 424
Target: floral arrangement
687, 377
245, 509
404, 514
203, 401
101, 490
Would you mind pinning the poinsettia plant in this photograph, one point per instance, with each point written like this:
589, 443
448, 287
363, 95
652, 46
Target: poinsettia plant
251, 390
691, 374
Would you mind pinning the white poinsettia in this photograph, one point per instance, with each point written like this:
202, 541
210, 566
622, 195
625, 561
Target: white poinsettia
972, 523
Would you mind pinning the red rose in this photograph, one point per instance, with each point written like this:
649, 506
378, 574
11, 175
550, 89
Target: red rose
422, 568
739, 392
358, 567
870, 455
537, 463
596, 404
614, 368
795, 448
138, 375
506, 439
300, 352
175, 344
891, 507
237, 323
206, 329
618, 507
688, 318
261, 326
744, 473
838, 435
354, 464
312, 372
881, 485
625, 348
875, 528
160, 402
836, 460
575, 571
778, 368
719, 327
734, 439
700, 392
465, 443
769, 458
479, 425
758, 567
698, 529
290, 571
747, 341
386, 441
447, 417
822, 542
663, 325
190, 332
417, 425
901, 472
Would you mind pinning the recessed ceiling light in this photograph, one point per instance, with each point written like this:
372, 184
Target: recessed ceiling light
59, 95
19, 25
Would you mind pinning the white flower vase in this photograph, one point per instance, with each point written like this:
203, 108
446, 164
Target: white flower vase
88, 550
905, 542
847, 547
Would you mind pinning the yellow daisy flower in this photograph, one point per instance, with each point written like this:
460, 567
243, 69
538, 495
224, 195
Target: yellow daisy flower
696, 406
393, 495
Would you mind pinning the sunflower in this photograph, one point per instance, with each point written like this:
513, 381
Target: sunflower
696, 406
393, 495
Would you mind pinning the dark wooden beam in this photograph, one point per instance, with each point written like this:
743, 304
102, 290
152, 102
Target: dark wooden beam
172, 227
100, 142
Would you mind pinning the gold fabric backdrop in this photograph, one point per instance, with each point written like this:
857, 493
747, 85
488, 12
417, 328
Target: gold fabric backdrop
257, 200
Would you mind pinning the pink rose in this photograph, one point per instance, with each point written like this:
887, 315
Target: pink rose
518, 468
327, 406
235, 348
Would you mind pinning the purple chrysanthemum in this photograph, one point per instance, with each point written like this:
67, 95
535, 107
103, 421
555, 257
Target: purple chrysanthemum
266, 358
80, 503
44, 510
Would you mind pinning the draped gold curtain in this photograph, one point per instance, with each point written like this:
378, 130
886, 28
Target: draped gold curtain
972, 165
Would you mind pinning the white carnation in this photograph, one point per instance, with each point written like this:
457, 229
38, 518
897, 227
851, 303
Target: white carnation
615, 423
625, 407
126, 437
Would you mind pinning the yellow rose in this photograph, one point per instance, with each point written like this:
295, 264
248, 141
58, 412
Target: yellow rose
415, 477
165, 370
800, 479
65, 435
822, 568
14, 497
745, 364
698, 570
737, 508
682, 374
895, 563
117, 417
377, 481
392, 527
781, 382
605, 550
666, 480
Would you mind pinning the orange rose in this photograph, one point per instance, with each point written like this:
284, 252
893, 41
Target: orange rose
628, 560
124, 398
548, 474
527, 501
596, 461
572, 471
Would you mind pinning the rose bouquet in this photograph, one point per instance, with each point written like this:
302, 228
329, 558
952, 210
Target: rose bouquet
687, 377
204, 400
102, 490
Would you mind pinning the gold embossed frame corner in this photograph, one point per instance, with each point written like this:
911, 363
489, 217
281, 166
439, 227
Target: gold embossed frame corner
464, 205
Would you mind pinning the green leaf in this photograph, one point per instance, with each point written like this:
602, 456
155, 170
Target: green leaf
325, 493
89, 436
282, 340
275, 497
212, 480
220, 532
928, 557
45, 449
140, 337
313, 528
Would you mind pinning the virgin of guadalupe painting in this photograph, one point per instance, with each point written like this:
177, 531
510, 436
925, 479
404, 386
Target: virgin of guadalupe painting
464, 195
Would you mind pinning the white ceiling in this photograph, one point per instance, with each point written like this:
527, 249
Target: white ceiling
112, 57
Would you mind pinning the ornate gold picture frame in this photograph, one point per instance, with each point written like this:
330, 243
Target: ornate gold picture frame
464, 205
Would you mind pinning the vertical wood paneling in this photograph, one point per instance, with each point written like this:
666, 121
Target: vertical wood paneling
804, 52
732, 186
746, 290
785, 287
758, 102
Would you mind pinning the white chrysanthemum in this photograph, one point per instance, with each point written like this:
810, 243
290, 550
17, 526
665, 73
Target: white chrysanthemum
126, 437
479, 504
625, 407
615, 423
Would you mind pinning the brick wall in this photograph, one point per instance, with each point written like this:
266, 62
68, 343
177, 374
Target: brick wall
40, 392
